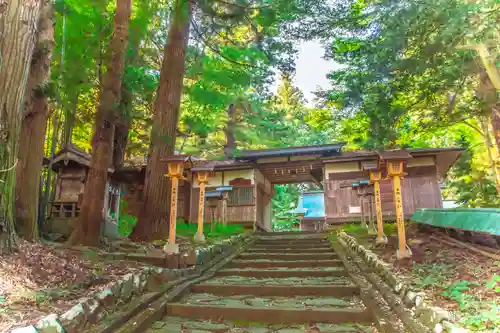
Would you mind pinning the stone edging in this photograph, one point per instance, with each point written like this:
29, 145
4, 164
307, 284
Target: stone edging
434, 318
91, 310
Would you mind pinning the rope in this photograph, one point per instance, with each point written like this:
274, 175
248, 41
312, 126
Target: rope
12, 167
9, 169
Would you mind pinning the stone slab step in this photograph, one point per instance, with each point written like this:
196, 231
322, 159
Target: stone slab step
296, 241
340, 281
291, 233
276, 273
289, 246
271, 315
288, 256
178, 324
280, 263
276, 290
289, 250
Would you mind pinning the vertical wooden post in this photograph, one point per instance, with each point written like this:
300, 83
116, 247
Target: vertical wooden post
173, 210
175, 170
363, 218
395, 170
371, 224
202, 179
224, 208
375, 177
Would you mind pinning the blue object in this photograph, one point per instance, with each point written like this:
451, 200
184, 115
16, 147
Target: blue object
213, 195
224, 188
314, 203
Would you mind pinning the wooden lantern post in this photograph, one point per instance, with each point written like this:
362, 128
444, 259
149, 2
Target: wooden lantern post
175, 172
395, 161
213, 199
375, 178
360, 190
225, 197
368, 193
202, 174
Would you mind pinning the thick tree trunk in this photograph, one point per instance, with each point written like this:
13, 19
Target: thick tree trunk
32, 138
153, 220
18, 22
230, 146
88, 225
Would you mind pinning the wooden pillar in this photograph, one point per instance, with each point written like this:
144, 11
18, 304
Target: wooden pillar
371, 224
395, 171
224, 208
175, 170
202, 179
375, 177
361, 194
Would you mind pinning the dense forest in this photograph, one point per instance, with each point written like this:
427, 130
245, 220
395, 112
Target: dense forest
125, 80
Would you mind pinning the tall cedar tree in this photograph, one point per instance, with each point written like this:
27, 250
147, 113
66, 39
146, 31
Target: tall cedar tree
33, 127
153, 220
88, 225
18, 23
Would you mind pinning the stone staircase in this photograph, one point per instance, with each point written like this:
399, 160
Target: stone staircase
281, 283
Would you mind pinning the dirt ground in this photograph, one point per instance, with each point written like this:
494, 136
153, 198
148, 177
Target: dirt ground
452, 278
41, 279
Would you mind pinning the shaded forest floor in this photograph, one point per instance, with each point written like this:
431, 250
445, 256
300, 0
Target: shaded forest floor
452, 278
41, 279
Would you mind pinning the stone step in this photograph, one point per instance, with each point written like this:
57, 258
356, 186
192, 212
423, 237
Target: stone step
292, 241
291, 233
276, 290
271, 315
288, 256
290, 245
290, 250
278, 263
178, 324
290, 281
281, 273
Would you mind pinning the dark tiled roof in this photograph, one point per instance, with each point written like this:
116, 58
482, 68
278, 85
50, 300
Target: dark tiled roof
320, 150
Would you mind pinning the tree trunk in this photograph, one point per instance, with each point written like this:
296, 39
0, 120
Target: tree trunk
32, 138
230, 146
153, 220
88, 225
18, 22
488, 94
122, 128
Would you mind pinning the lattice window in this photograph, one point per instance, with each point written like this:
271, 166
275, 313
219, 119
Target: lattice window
241, 196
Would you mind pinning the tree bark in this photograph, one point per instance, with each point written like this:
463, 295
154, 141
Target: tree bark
18, 22
153, 220
487, 92
230, 146
122, 128
88, 225
34, 123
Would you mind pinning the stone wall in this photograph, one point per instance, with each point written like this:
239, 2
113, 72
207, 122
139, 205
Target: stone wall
397, 293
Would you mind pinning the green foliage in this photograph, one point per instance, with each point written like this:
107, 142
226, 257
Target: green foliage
220, 231
474, 313
469, 184
285, 199
126, 224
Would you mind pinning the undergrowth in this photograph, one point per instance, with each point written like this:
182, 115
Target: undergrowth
475, 312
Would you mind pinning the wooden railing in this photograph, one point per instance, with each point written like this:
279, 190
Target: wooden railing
64, 209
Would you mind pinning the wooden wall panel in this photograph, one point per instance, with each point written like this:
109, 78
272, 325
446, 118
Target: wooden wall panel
420, 190
235, 212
